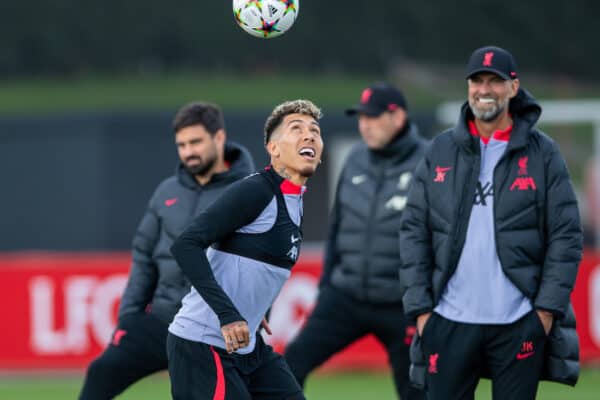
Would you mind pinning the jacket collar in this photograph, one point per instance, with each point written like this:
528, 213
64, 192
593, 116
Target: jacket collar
402, 146
240, 165
525, 113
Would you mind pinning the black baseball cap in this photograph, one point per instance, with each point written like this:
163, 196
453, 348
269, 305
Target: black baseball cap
492, 59
378, 98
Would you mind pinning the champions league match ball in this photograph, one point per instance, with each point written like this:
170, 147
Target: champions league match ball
266, 18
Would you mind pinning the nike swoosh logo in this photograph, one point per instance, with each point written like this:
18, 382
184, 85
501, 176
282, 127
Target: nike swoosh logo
358, 179
170, 202
522, 356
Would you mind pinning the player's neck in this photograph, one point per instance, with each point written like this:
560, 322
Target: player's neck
219, 167
288, 173
487, 128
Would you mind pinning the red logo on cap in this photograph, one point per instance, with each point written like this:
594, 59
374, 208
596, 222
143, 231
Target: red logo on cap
487, 59
366, 95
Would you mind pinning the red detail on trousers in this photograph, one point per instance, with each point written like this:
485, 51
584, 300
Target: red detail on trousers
433, 359
526, 350
119, 333
220, 387
527, 347
522, 356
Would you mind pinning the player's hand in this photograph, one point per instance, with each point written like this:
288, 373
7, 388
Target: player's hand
421, 321
547, 318
266, 326
236, 335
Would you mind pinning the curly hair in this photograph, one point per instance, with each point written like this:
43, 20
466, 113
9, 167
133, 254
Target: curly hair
300, 106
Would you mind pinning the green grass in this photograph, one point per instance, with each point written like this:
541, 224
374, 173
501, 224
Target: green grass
166, 92
321, 386
242, 90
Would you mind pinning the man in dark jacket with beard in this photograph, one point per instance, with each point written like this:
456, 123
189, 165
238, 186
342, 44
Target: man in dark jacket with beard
208, 164
359, 289
490, 242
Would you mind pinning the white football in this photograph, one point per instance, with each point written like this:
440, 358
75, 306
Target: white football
266, 18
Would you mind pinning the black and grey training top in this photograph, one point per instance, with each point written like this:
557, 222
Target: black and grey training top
254, 235
155, 280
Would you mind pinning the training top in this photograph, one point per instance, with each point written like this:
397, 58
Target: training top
254, 235
479, 292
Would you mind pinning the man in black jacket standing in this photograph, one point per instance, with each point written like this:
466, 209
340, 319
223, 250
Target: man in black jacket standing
359, 288
208, 164
490, 242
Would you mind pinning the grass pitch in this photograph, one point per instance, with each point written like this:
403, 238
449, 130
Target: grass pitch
321, 386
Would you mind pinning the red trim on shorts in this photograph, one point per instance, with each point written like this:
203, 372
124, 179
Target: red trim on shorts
220, 387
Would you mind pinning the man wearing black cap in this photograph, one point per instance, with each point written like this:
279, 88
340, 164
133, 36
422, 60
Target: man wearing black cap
490, 243
360, 292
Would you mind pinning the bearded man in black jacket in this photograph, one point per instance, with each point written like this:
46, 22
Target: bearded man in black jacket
156, 285
359, 288
490, 244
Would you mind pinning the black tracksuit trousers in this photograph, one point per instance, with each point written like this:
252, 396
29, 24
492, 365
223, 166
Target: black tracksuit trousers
337, 321
137, 349
458, 354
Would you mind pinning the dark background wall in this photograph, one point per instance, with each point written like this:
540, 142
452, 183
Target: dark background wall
66, 37
81, 182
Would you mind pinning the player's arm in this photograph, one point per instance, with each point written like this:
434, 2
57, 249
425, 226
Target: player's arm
239, 205
416, 250
564, 239
143, 275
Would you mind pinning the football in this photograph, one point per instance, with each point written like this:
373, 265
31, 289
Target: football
265, 18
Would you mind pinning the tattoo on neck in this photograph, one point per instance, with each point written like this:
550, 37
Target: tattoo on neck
284, 173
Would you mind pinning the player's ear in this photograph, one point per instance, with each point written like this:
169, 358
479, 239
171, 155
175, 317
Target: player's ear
399, 116
514, 85
273, 149
219, 137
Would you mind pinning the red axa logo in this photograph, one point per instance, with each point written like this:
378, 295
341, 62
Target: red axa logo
170, 202
440, 173
119, 333
366, 95
526, 350
523, 165
487, 59
433, 359
523, 183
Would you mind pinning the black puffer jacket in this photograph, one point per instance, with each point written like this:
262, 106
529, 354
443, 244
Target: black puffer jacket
362, 251
155, 280
538, 231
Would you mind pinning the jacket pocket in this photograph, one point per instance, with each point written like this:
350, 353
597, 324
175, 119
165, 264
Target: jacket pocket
539, 325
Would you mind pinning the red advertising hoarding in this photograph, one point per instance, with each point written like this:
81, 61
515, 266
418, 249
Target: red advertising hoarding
60, 309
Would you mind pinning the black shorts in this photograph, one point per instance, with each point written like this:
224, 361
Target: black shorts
203, 372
